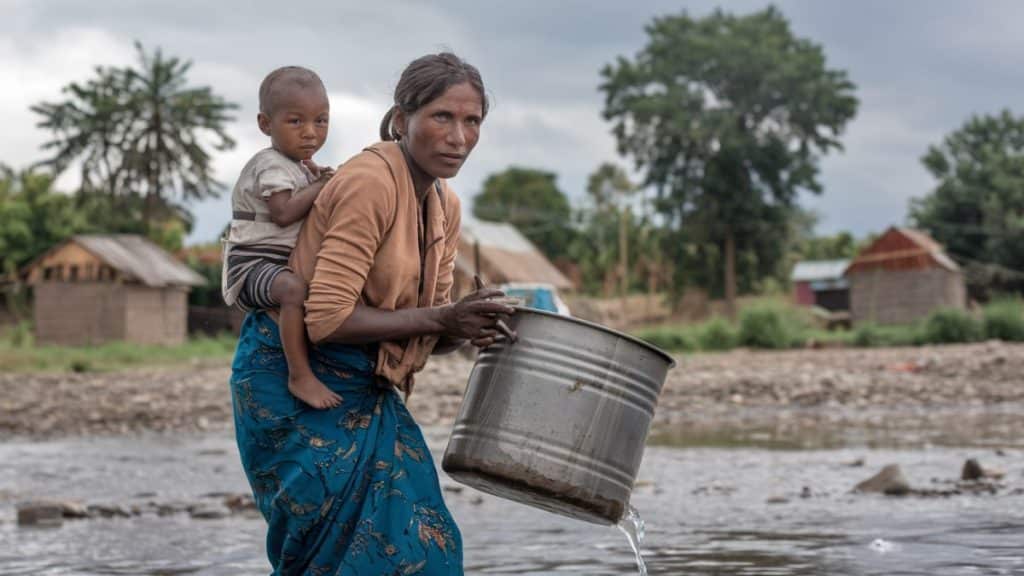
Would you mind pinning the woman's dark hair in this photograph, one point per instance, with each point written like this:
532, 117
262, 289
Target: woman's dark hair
425, 79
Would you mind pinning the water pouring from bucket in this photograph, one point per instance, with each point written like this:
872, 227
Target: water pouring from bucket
558, 419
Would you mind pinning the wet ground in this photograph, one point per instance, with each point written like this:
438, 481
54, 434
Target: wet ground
764, 494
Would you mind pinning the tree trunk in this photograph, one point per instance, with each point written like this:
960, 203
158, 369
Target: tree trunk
624, 251
148, 208
730, 274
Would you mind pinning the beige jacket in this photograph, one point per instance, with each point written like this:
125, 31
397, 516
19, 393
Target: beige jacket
361, 243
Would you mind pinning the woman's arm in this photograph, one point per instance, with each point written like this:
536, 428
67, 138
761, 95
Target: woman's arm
472, 318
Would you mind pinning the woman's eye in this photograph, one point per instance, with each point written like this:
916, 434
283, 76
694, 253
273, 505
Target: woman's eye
442, 116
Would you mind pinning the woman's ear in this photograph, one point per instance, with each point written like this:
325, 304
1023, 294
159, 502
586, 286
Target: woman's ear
400, 122
263, 121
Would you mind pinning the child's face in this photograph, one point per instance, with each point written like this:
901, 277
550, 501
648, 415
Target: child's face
298, 125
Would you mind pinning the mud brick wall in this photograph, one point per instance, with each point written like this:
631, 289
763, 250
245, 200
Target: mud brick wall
78, 314
903, 296
156, 316
84, 313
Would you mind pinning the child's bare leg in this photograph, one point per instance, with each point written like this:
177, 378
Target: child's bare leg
290, 291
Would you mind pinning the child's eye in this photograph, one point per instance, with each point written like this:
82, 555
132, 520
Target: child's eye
322, 120
295, 121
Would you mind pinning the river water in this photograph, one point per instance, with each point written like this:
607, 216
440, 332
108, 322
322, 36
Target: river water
751, 499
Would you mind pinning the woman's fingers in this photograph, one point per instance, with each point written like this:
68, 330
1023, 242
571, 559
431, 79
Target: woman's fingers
483, 294
490, 308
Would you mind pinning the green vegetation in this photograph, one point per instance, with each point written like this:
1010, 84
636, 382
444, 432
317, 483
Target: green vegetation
1004, 320
33, 217
727, 117
975, 209
772, 325
140, 132
717, 334
951, 326
18, 353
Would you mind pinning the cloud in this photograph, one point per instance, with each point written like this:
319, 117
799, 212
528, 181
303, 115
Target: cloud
921, 68
34, 69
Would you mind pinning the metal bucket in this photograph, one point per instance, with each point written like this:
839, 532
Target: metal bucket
558, 419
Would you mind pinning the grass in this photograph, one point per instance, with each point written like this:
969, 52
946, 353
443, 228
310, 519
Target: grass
19, 354
771, 323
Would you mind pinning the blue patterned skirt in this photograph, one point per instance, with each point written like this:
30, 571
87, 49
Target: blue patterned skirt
347, 491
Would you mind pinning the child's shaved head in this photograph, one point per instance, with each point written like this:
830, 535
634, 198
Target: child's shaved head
279, 83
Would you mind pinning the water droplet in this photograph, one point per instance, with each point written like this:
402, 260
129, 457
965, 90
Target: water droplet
882, 546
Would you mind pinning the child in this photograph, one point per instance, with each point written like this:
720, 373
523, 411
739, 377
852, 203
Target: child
273, 194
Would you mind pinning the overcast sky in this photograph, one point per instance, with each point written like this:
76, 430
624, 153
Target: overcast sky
921, 67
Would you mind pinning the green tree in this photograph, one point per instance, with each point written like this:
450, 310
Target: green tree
531, 201
140, 131
727, 117
977, 209
33, 217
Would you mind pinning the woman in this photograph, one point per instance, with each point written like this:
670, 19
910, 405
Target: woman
353, 490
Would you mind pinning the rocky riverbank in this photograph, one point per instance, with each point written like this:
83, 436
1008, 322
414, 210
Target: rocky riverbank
704, 389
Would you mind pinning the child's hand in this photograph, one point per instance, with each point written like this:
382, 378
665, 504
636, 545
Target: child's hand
320, 173
325, 173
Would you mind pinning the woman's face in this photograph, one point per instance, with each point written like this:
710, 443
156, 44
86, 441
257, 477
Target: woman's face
440, 135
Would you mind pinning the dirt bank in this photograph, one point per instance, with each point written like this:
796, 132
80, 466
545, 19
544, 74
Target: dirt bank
705, 387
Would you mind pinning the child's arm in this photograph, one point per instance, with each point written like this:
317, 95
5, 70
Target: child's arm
287, 208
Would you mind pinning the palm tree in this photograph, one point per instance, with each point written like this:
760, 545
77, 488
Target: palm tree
140, 131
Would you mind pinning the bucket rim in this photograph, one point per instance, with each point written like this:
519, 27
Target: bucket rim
668, 357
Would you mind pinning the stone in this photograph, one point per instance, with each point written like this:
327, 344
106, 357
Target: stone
208, 511
108, 511
73, 509
45, 514
889, 481
777, 500
973, 470
240, 502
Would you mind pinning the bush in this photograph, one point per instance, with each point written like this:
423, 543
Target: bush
769, 327
951, 326
868, 336
668, 338
717, 334
1004, 320
19, 335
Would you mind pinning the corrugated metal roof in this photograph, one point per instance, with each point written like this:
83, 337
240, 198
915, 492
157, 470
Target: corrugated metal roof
139, 259
507, 254
811, 270
496, 234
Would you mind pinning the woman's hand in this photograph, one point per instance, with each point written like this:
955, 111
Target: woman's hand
475, 317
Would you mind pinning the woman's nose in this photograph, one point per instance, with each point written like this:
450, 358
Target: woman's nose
456, 135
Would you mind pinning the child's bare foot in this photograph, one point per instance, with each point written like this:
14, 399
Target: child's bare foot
313, 392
